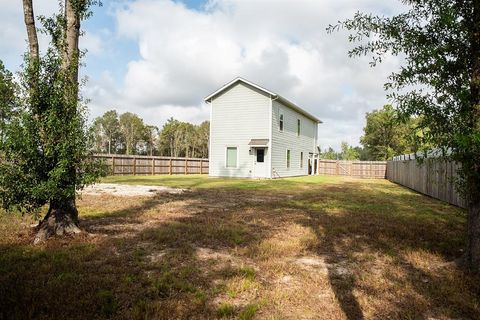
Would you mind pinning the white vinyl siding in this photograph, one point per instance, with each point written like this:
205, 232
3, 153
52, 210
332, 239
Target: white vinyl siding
289, 139
238, 115
241, 113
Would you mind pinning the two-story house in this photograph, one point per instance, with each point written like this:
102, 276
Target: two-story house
257, 133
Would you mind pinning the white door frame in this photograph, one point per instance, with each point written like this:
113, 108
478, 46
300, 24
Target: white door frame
262, 173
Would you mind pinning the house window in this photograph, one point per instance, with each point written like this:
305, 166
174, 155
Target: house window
298, 127
301, 159
231, 157
281, 122
288, 158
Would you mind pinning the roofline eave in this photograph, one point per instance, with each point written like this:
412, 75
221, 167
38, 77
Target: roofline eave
273, 95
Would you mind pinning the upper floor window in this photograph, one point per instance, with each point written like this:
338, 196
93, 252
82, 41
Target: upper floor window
301, 159
281, 122
298, 127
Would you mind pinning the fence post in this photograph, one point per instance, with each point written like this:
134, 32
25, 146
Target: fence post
113, 166
170, 166
336, 167
153, 166
201, 166
134, 166
186, 166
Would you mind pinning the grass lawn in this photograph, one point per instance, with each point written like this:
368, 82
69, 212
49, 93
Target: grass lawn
297, 248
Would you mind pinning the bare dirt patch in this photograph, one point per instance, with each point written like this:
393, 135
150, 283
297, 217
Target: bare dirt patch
125, 190
318, 264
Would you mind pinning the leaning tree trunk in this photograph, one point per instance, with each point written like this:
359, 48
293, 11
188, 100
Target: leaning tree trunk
473, 196
61, 219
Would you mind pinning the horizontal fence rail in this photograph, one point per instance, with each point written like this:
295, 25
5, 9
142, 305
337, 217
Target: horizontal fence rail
433, 177
363, 169
152, 165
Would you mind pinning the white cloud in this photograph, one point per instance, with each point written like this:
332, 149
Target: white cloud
282, 45
185, 54
93, 43
13, 32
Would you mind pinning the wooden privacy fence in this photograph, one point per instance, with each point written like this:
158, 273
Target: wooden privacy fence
433, 177
151, 165
363, 169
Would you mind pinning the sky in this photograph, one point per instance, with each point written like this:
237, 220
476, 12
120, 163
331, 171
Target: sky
160, 58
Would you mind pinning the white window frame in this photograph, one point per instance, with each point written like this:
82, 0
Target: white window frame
226, 152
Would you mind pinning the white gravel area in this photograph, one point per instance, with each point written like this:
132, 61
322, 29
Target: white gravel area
126, 190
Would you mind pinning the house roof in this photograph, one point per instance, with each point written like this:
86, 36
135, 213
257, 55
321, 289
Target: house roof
272, 94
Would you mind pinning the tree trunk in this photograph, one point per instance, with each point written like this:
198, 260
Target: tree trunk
473, 245
72, 33
61, 219
62, 216
473, 196
31, 30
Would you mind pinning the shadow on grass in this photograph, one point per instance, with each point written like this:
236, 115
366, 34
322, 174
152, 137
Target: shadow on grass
133, 273
150, 264
348, 225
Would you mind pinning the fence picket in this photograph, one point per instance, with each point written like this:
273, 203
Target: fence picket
433, 177
363, 169
148, 165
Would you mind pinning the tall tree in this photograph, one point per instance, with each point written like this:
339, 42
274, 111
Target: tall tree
150, 136
132, 129
383, 133
203, 133
330, 154
439, 81
183, 139
349, 152
46, 158
167, 145
107, 130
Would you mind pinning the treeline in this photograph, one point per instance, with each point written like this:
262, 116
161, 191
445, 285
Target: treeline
347, 152
385, 135
127, 133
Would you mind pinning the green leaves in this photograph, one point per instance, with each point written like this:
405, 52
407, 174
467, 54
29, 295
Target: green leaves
439, 40
45, 153
388, 133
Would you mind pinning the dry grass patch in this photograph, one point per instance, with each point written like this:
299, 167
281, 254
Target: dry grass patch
291, 240
299, 248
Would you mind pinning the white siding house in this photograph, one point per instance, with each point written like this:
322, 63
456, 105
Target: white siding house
259, 134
